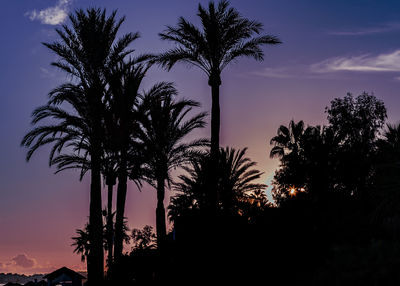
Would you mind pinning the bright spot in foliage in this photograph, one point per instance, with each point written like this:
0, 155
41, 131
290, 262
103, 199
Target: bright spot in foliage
293, 191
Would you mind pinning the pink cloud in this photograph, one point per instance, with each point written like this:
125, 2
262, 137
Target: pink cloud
24, 261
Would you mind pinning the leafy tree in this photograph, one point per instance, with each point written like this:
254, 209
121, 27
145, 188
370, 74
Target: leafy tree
143, 239
224, 37
335, 158
355, 122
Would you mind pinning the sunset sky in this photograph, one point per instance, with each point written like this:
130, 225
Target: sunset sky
329, 48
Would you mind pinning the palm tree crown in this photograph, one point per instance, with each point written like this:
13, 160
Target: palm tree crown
236, 183
288, 140
225, 36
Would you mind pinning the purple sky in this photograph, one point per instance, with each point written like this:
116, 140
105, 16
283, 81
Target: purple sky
328, 49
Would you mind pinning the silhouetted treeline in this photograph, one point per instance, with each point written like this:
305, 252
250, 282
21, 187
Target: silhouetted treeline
335, 216
100, 121
336, 221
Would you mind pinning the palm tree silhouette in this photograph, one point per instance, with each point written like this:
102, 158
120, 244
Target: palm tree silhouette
125, 80
225, 36
82, 242
82, 238
110, 176
237, 176
392, 136
289, 149
236, 182
85, 52
288, 139
108, 170
163, 130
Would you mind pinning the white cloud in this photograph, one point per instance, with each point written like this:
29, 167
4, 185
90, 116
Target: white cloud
389, 27
52, 15
289, 72
388, 62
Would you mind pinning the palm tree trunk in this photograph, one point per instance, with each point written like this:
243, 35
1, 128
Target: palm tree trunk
96, 254
110, 232
214, 82
121, 198
160, 214
215, 120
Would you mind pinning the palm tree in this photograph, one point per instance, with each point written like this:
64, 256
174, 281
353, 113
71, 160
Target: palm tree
108, 165
287, 146
392, 136
288, 140
82, 238
237, 177
224, 37
110, 178
125, 80
85, 52
82, 242
192, 188
163, 130
236, 183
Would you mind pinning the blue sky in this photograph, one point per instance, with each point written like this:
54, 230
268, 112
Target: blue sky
329, 48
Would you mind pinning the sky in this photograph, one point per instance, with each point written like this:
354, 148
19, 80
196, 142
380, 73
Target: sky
329, 48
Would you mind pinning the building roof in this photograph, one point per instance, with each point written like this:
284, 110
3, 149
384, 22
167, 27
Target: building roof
40, 283
12, 284
63, 270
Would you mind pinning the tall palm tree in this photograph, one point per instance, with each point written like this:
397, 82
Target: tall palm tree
163, 131
125, 80
85, 50
224, 37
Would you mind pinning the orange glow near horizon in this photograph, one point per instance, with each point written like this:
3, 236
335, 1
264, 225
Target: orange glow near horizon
293, 191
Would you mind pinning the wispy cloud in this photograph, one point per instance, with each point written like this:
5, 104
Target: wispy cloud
387, 62
384, 28
274, 72
45, 73
299, 71
52, 15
